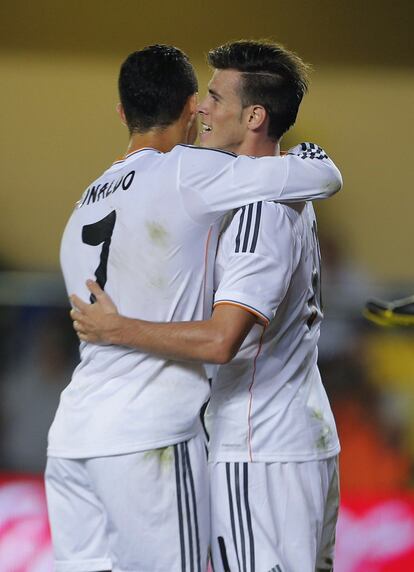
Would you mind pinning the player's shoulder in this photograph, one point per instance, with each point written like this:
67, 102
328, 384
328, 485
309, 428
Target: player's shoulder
192, 157
276, 215
200, 151
250, 224
259, 213
122, 175
133, 157
262, 228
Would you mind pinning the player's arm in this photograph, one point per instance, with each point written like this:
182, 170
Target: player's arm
214, 182
255, 260
216, 340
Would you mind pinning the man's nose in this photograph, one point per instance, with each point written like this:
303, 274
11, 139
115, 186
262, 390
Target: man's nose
202, 108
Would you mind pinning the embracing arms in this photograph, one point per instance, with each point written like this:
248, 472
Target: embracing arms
216, 340
214, 182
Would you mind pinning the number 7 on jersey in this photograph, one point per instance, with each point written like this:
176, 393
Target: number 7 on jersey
97, 233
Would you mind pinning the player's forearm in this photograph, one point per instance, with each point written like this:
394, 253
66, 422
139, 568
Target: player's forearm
306, 173
311, 179
216, 340
189, 341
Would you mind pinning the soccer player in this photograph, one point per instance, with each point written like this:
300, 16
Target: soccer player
126, 477
273, 441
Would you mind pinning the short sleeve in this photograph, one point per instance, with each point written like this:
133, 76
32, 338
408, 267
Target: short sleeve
256, 258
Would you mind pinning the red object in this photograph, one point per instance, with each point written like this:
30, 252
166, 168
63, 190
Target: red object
375, 533
24, 530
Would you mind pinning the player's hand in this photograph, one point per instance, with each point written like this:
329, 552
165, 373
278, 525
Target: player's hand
94, 323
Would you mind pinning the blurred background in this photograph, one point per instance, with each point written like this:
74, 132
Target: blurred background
59, 63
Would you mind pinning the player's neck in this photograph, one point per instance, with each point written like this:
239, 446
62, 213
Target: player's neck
259, 147
160, 139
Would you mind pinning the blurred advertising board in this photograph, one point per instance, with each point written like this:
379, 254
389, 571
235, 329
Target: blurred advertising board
375, 534
24, 530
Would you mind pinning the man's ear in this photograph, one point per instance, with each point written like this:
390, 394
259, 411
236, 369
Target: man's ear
121, 113
190, 108
257, 117
193, 103
192, 119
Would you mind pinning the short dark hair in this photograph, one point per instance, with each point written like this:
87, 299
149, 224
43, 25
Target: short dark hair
272, 76
154, 85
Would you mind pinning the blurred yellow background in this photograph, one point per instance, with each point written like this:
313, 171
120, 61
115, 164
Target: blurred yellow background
59, 63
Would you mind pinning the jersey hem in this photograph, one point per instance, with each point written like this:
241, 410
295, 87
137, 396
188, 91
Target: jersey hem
86, 565
112, 451
237, 457
262, 318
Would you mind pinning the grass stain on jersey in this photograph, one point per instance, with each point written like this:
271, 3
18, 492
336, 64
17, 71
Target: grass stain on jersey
324, 439
157, 234
317, 414
163, 454
322, 442
158, 282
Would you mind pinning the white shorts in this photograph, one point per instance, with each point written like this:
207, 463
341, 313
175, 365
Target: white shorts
274, 517
143, 512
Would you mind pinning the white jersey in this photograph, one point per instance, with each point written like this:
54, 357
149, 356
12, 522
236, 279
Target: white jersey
147, 230
268, 404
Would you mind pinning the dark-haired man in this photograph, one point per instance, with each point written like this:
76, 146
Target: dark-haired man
126, 475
